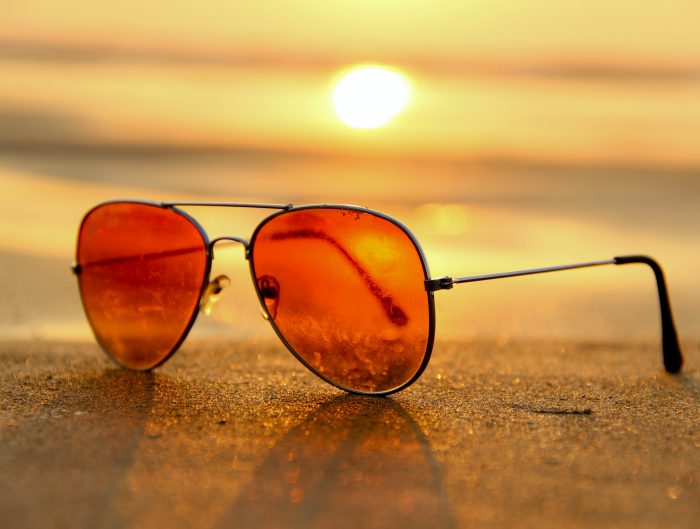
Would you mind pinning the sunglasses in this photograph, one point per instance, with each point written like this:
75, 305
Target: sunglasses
345, 288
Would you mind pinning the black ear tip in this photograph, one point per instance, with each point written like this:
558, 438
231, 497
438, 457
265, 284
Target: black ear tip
674, 368
673, 362
673, 357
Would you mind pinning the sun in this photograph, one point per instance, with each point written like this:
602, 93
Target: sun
369, 96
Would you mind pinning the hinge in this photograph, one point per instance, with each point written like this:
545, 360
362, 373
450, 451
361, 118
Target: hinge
441, 283
75, 268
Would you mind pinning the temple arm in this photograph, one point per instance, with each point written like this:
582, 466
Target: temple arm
673, 359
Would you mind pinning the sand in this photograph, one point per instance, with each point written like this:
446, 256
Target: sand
527, 434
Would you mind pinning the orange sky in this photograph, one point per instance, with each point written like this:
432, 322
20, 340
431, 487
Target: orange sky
464, 117
659, 32
600, 82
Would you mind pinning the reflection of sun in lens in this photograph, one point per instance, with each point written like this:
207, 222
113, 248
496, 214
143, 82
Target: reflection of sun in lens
367, 97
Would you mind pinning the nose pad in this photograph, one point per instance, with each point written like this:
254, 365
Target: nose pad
269, 289
212, 293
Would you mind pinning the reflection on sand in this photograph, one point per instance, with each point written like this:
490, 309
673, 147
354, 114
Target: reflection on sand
354, 462
163, 450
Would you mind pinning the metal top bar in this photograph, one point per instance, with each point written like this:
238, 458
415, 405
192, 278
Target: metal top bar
228, 205
531, 271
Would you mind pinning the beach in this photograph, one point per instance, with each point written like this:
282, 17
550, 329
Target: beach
504, 137
534, 434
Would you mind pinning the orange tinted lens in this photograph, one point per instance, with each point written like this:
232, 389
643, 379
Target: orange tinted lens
142, 269
345, 289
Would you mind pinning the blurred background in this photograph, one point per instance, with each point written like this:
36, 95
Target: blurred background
534, 133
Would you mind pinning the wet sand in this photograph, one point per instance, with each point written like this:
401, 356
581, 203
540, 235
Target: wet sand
527, 434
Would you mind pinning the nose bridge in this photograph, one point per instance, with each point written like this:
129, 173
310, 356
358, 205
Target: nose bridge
230, 238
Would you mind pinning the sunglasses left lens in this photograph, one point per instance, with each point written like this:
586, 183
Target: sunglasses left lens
142, 270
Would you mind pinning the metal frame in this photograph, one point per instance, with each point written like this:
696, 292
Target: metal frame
226, 205
672, 355
673, 358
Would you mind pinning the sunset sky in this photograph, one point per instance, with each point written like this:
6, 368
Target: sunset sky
653, 33
604, 81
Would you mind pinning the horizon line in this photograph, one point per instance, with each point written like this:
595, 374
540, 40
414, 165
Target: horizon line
502, 161
48, 51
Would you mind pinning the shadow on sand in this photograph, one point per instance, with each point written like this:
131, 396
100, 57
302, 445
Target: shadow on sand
354, 462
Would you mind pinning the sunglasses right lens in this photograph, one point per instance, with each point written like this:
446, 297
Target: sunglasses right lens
142, 270
345, 289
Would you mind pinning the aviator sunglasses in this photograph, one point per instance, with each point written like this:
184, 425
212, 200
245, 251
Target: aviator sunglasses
346, 289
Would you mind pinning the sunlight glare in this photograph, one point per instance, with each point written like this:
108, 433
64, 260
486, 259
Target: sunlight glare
367, 97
